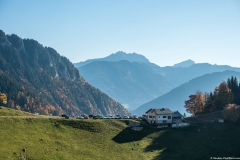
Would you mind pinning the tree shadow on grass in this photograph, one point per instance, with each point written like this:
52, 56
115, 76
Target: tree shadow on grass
198, 141
128, 135
79, 124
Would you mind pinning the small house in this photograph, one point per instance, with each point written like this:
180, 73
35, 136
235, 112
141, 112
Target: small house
177, 117
159, 116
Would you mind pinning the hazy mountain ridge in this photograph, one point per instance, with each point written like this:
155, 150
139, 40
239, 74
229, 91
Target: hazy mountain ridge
178, 76
48, 83
129, 83
118, 56
176, 97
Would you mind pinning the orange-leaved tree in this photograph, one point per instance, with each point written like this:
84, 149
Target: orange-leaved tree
195, 104
3, 99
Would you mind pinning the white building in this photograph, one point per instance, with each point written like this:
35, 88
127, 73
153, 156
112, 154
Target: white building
159, 116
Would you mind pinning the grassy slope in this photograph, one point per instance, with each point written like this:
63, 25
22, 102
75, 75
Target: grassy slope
12, 112
111, 139
57, 139
207, 117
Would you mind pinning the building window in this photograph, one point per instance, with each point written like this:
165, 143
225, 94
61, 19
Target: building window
159, 116
150, 116
153, 116
169, 117
164, 116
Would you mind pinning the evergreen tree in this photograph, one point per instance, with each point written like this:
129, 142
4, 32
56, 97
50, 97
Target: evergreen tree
233, 85
222, 96
209, 105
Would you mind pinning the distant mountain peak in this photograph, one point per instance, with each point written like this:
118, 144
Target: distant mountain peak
118, 56
184, 64
131, 57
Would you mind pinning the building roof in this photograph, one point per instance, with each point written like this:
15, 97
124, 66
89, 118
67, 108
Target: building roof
177, 114
160, 111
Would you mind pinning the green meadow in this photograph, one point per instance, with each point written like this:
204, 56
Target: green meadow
36, 138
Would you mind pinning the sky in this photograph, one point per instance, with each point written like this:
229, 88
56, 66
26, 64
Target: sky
164, 31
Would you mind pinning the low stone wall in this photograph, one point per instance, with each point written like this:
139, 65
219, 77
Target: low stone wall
180, 125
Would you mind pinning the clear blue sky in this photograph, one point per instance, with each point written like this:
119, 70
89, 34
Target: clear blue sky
165, 31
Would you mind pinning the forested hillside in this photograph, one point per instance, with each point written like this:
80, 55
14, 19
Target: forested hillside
37, 79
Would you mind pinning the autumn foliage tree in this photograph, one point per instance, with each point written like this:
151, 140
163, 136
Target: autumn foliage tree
195, 104
3, 99
224, 94
231, 112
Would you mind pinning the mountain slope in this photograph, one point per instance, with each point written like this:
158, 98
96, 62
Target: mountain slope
176, 97
131, 84
46, 82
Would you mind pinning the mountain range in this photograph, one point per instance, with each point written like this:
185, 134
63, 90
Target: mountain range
136, 82
180, 75
37, 79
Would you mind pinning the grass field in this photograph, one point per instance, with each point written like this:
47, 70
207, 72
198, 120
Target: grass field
207, 117
46, 138
12, 112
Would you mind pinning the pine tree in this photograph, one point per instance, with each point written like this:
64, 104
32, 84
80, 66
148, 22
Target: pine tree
222, 96
209, 105
233, 85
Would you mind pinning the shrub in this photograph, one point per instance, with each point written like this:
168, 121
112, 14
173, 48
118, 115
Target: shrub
231, 113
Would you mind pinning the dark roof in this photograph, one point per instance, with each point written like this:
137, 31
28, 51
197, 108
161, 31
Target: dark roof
161, 110
177, 114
